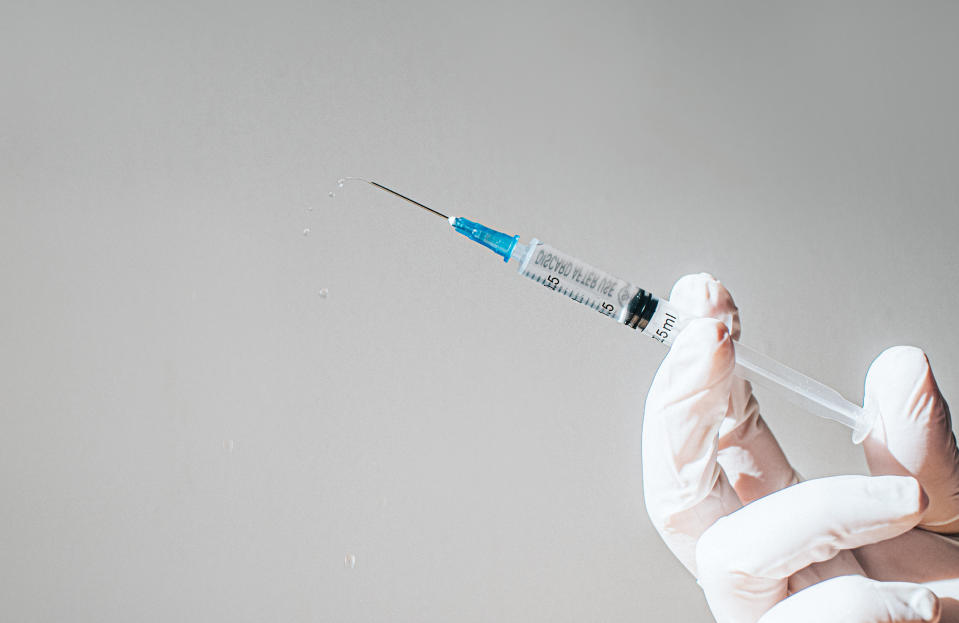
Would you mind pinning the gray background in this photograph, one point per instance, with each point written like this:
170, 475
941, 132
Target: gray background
191, 432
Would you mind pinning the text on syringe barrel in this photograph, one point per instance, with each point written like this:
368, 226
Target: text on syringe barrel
602, 292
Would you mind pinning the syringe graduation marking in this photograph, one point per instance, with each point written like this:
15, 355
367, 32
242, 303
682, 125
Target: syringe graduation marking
578, 297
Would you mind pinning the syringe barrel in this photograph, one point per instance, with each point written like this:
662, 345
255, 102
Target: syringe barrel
598, 290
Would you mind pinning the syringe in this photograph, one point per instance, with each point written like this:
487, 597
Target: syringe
654, 317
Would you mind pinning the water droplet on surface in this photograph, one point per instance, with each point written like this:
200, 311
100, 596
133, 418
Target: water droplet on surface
331, 194
324, 292
340, 182
306, 232
349, 561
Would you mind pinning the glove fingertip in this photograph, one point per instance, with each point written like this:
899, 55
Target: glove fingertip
897, 365
901, 388
904, 493
698, 292
925, 603
857, 599
703, 295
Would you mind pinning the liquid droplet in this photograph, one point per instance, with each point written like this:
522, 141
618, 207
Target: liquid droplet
325, 292
306, 232
331, 194
349, 561
340, 182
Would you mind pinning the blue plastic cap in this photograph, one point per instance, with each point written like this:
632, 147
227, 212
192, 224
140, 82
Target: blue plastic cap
498, 242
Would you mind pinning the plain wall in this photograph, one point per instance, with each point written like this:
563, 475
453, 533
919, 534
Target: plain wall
191, 431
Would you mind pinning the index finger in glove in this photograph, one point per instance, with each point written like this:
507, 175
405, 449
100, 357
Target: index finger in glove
745, 560
749, 454
913, 435
683, 485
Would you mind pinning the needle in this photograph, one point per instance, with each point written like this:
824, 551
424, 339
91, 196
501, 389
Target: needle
393, 192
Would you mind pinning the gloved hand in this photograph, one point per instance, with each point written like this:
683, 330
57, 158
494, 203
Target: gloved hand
765, 546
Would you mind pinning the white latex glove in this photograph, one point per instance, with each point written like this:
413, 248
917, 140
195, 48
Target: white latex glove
726, 501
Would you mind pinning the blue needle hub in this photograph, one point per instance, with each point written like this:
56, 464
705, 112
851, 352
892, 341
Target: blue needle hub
496, 241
